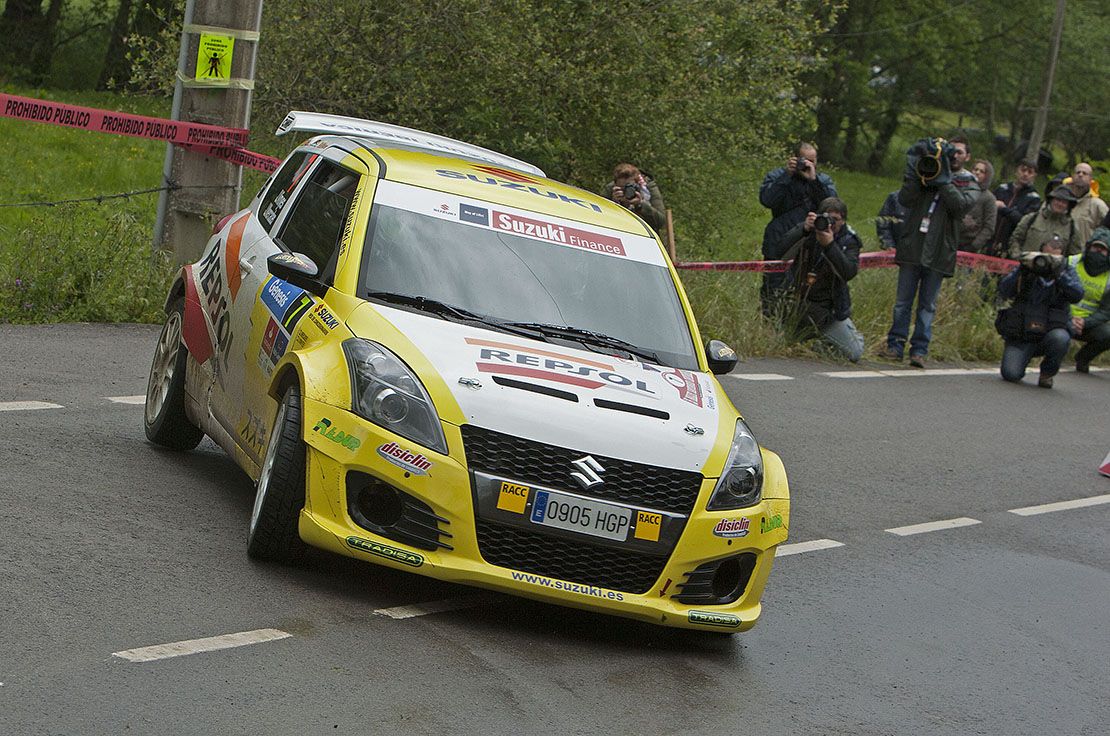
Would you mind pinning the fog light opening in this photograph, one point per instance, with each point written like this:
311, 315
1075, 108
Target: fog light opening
381, 505
727, 581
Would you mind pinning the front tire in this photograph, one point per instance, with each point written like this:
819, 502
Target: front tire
164, 417
280, 496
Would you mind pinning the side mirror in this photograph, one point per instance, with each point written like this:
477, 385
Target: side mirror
299, 270
722, 358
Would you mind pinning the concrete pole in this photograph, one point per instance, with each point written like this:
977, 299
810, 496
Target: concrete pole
210, 186
1033, 150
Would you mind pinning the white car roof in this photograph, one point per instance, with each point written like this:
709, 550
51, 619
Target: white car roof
396, 135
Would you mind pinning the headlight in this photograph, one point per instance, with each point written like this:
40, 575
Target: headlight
741, 482
387, 393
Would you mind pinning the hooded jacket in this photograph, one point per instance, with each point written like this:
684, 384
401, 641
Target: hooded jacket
977, 226
1037, 227
1088, 213
1017, 202
932, 232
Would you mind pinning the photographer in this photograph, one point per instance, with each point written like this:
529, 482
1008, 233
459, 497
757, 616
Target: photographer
1042, 287
815, 296
634, 190
789, 192
938, 193
1091, 315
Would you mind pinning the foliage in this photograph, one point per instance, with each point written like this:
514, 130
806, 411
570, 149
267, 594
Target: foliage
982, 60
681, 89
68, 268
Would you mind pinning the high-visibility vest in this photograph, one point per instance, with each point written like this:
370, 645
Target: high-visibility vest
1093, 288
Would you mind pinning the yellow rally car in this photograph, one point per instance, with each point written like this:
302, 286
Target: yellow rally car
431, 357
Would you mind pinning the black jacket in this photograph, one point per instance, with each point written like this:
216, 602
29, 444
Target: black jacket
826, 294
790, 199
1017, 202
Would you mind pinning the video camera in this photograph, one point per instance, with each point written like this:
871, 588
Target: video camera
930, 161
1041, 264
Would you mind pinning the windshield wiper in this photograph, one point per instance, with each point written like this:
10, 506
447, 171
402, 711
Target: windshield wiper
586, 337
445, 310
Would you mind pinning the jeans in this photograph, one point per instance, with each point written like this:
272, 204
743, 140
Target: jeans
924, 283
1016, 355
845, 338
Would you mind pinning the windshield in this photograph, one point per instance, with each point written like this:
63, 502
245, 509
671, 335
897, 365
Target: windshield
519, 279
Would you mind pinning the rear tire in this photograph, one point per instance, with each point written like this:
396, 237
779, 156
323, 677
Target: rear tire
164, 417
280, 496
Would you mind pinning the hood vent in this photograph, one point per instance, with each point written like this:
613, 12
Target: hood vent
631, 409
535, 388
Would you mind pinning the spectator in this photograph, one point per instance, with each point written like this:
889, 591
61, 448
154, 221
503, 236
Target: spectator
891, 222
977, 227
1014, 200
790, 192
1090, 209
1043, 289
816, 299
926, 255
642, 195
1053, 222
1091, 316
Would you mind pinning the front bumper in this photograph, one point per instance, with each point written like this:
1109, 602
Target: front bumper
702, 570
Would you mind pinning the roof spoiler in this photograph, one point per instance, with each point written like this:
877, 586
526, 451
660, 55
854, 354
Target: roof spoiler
313, 122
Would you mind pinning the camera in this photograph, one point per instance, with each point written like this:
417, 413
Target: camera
821, 223
801, 164
1041, 264
930, 161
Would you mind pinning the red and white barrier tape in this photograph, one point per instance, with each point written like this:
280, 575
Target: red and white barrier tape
879, 259
212, 140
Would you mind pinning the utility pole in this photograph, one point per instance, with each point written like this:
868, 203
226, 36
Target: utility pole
1033, 150
215, 81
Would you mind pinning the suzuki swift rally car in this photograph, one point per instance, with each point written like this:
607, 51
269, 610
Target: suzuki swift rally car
431, 357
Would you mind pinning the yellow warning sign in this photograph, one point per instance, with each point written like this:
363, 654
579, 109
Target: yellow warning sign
214, 58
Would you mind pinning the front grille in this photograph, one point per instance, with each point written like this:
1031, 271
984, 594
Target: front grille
663, 489
577, 562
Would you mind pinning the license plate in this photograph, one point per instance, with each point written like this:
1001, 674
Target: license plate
579, 515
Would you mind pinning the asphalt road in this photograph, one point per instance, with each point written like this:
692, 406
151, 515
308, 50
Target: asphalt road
990, 622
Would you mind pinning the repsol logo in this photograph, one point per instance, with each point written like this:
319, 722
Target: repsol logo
518, 186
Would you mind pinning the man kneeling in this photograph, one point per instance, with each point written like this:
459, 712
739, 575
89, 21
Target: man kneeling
815, 300
1042, 287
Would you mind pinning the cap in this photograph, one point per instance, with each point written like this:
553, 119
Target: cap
1064, 193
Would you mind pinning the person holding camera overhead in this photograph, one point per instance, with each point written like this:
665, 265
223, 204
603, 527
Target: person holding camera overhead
1090, 316
790, 192
1043, 287
637, 191
824, 252
1052, 222
938, 192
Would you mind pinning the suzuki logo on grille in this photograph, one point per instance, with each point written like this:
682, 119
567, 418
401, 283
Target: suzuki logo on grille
591, 472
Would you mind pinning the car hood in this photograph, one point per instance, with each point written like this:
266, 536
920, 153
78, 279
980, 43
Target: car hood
569, 397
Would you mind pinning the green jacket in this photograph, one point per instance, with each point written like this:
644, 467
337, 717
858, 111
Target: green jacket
1037, 227
944, 208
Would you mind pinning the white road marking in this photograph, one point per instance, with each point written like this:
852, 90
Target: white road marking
910, 372
1048, 508
423, 609
139, 399
761, 377
853, 374
27, 405
811, 546
933, 526
196, 646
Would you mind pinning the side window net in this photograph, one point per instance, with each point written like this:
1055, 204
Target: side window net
284, 181
315, 224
